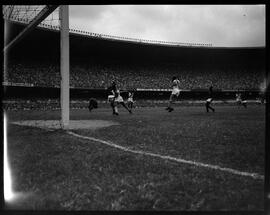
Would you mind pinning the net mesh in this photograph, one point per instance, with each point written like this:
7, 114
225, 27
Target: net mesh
26, 13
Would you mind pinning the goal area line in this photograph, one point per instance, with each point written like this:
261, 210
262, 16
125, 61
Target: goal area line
178, 160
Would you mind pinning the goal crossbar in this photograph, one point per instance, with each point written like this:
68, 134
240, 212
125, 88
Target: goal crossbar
46, 11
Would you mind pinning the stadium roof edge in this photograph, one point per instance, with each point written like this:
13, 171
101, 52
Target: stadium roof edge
239, 47
137, 41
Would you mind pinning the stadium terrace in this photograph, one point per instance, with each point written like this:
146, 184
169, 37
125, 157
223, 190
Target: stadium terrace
95, 59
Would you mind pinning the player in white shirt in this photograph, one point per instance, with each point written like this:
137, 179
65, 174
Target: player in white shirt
175, 93
119, 100
209, 100
115, 98
111, 96
239, 100
130, 100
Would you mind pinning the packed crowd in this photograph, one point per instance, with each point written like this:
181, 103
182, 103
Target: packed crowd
36, 74
90, 75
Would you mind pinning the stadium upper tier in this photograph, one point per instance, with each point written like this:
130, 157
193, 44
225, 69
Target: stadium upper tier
96, 60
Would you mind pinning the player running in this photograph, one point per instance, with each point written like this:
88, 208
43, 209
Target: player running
115, 98
209, 100
130, 101
239, 100
175, 93
111, 97
261, 97
119, 100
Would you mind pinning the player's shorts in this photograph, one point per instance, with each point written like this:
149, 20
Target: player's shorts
209, 100
110, 98
119, 99
238, 100
130, 100
176, 91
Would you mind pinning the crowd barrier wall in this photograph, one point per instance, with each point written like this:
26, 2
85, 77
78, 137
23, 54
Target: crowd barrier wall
27, 92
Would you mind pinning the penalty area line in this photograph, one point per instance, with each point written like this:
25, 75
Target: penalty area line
165, 157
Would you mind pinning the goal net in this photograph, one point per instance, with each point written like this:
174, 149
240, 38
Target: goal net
24, 60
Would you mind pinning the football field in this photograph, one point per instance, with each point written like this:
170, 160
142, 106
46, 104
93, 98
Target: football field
149, 160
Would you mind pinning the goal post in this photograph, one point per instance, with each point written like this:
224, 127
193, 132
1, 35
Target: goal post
17, 12
64, 65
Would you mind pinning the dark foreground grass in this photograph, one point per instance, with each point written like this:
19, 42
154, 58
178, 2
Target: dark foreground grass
62, 172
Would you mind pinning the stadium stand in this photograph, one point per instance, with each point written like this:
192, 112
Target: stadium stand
97, 60
32, 77
93, 76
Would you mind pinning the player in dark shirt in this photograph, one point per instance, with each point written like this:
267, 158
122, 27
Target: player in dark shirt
92, 104
209, 100
111, 96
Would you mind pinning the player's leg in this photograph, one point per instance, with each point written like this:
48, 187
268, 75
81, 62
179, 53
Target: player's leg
207, 106
211, 108
262, 100
111, 100
113, 106
244, 103
129, 104
124, 105
90, 107
121, 101
169, 103
116, 108
171, 100
238, 103
175, 97
95, 104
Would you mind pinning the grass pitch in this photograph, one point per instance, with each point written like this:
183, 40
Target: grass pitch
66, 173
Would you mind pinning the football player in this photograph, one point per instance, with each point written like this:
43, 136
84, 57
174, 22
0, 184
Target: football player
119, 100
239, 100
175, 93
130, 101
111, 96
209, 100
92, 104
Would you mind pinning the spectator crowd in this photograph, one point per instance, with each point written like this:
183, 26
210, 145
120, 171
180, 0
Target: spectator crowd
84, 74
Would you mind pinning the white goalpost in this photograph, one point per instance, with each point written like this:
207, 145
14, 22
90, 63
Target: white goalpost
13, 11
64, 65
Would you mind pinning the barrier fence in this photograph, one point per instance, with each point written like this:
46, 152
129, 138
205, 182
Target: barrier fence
28, 92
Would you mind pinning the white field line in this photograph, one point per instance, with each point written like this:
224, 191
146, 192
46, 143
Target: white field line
179, 160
